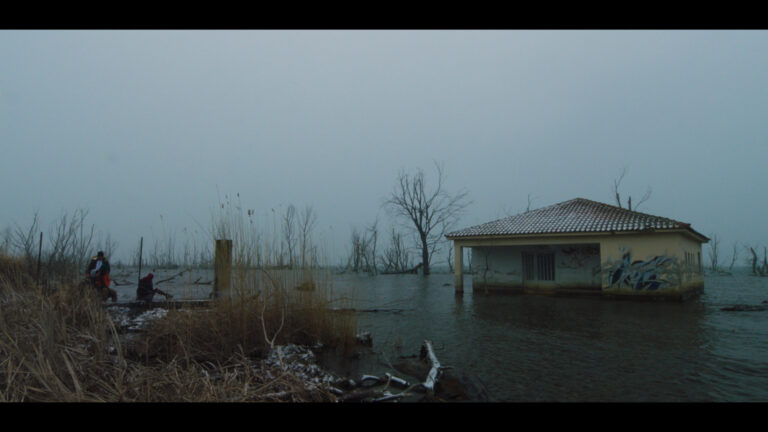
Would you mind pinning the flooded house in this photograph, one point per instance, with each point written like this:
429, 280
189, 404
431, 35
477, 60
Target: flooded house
583, 247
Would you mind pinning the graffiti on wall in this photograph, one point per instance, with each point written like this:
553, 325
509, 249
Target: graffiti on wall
653, 274
579, 257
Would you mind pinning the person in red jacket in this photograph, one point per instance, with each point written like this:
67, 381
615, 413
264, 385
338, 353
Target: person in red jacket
145, 292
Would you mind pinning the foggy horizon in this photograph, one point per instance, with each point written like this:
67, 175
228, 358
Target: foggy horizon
151, 131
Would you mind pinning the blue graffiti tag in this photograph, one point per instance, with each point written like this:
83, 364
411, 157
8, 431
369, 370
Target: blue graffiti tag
640, 275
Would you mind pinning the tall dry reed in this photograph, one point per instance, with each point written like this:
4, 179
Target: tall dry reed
64, 346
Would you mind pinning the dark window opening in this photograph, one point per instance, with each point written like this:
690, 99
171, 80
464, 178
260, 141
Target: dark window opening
539, 266
546, 266
528, 266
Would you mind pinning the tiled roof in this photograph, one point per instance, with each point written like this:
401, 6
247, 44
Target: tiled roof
578, 215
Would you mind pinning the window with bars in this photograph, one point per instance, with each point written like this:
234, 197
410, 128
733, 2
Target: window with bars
528, 263
698, 262
693, 262
545, 266
539, 266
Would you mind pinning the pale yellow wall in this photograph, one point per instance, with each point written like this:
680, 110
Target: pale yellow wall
645, 247
666, 248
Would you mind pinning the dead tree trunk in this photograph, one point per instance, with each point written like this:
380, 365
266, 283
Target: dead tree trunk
754, 261
764, 268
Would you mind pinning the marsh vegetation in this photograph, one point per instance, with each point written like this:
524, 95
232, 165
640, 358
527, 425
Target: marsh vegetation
59, 343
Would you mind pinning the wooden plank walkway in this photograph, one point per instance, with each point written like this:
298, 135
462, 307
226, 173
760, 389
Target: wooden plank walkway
171, 304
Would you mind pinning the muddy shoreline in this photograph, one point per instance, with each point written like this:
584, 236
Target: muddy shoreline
325, 368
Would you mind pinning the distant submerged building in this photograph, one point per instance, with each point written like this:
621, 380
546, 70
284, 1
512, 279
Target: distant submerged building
583, 247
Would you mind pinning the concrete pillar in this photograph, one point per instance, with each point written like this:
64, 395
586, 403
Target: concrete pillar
458, 267
222, 269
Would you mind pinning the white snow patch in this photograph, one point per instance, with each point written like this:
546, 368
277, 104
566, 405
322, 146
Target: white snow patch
122, 318
300, 361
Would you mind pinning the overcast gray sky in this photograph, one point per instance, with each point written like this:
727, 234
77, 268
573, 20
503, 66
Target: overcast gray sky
148, 130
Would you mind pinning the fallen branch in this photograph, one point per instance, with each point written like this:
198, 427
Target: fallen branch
413, 270
388, 397
428, 354
369, 310
745, 308
173, 277
360, 395
399, 382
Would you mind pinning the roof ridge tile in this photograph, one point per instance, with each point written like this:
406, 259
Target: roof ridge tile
575, 215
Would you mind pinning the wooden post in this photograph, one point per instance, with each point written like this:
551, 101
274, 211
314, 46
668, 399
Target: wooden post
39, 257
222, 269
141, 249
458, 267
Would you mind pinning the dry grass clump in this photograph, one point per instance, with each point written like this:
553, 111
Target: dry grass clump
14, 271
51, 345
250, 323
64, 347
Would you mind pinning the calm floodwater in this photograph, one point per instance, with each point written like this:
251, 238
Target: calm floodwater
546, 348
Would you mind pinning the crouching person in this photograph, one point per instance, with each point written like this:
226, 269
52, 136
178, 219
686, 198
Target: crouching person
146, 291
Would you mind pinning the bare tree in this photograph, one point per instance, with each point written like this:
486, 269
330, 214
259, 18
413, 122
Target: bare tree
757, 269
355, 261
506, 211
107, 245
530, 201
5, 246
363, 256
734, 256
764, 268
24, 239
373, 237
359, 258
289, 232
396, 258
617, 196
306, 221
714, 249
67, 244
428, 213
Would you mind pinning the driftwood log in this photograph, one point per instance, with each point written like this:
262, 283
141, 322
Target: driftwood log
428, 354
413, 270
448, 384
746, 308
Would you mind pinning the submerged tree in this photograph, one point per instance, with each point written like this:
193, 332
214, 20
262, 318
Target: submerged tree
362, 257
306, 222
734, 255
714, 251
430, 214
617, 195
288, 228
396, 258
757, 268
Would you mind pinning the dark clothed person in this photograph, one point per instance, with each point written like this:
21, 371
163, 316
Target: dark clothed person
97, 273
145, 291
